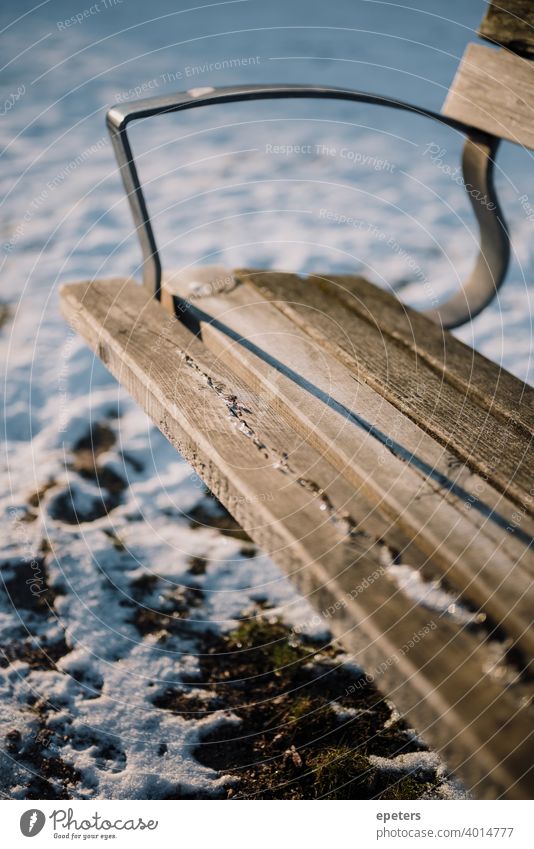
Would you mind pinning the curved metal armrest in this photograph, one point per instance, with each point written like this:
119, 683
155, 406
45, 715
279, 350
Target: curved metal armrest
479, 153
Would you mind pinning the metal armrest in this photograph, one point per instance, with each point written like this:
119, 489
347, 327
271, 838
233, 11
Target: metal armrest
478, 157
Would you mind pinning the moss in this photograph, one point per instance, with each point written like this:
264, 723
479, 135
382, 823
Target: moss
408, 787
290, 742
270, 646
306, 718
341, 773
300, 708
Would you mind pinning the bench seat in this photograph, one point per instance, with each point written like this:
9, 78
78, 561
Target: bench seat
382, 463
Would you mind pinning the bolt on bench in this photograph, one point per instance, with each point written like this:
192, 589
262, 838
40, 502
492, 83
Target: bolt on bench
375, 457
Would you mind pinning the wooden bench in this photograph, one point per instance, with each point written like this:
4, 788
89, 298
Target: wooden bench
384, 464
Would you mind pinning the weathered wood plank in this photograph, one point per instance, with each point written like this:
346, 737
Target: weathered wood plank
439, 479
475, 554
510, 23
479, 722
500, 393
493, 90
245, 312
501, 453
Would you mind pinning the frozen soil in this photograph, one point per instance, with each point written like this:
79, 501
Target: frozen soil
182, 679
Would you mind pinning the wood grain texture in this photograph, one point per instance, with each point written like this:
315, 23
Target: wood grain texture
499, 451
242, 448
510, 23
321, 400
493, 90
500, 393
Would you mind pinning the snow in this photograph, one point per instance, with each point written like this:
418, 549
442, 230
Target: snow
219, 195
431, 595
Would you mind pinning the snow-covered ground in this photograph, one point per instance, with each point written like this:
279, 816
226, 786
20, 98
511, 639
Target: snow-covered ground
297, 186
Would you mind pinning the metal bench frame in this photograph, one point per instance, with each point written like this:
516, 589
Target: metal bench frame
477, 163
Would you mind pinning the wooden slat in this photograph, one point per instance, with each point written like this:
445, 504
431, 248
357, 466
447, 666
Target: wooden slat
493, 90
510, 23
475, 554
493, 388
502, 453
480, 723
334, 437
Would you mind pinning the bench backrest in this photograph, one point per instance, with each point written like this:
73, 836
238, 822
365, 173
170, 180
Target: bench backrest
493, 90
